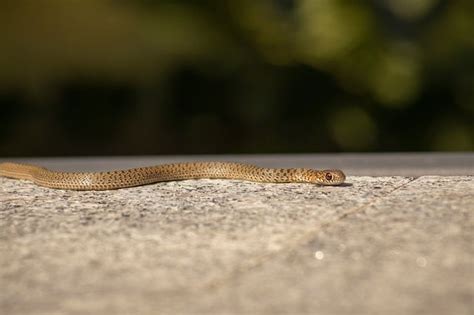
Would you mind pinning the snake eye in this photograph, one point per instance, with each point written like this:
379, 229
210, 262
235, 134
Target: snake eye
328, 176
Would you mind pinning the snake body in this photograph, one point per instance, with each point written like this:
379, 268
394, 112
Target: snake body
167, 172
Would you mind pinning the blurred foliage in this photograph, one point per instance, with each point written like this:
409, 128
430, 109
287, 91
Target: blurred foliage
82, 77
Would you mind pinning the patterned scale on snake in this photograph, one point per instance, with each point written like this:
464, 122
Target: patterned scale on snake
167, 172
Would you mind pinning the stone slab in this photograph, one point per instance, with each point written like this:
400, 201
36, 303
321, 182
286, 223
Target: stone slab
392, 245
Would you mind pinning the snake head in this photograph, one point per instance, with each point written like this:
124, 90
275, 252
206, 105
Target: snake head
324, 177
331, 177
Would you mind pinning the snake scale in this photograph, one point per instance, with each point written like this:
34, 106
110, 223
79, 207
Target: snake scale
167, 172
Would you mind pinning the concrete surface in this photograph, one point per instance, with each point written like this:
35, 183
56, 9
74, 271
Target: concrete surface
379, 245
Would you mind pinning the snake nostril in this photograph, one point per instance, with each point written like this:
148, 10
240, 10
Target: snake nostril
328, 176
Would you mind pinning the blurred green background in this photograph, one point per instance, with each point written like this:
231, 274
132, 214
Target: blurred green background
99, 77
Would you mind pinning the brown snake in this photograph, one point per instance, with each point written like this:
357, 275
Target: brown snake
167, 172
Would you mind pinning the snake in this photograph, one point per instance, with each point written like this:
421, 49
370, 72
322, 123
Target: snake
117, 179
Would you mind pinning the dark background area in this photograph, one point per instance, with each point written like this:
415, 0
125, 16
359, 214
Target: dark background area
97, 77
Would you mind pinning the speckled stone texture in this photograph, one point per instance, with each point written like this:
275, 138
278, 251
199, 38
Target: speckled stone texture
379, 245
